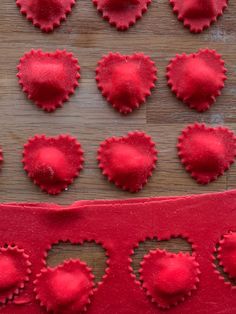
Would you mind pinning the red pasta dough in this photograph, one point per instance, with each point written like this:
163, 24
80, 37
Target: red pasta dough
45, 14
206, 152
122, 13
227, 254
128, 161
198, 15
48, 78
14, 271
169, 278
126, 81
53, 162
66, 288
197, 79
120, 226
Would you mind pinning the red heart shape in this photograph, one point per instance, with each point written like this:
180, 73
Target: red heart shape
126, 81
197, 79
15, 270
169, 278
122, 13
53, 162
198, 15
48, 78
128, 161
66, 288
45, 14
206, 152
227, 254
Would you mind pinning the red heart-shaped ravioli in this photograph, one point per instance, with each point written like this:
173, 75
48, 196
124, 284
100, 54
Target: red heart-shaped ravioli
66, 288
169, 278
197, 79
206, 152
45, 14
53, 162
198, 15
128, 161
15, 270
48, 78
126, 81
227, 254
122, 13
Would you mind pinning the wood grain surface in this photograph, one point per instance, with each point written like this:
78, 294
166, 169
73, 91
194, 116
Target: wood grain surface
87, 115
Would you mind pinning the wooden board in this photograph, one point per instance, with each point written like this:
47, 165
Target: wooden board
88, 116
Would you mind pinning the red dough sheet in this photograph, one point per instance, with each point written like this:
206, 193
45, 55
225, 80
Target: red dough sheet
122, 13
177, 282
198, 15
48, 78
126, 80
198, 78
45, 14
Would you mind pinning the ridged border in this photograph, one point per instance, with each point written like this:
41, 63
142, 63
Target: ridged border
192, 258
127, 58
184, 57
119, 27
188, 25
37, 137
183, 159
88, 270
114, 139
25, 257
36, 23
56, 53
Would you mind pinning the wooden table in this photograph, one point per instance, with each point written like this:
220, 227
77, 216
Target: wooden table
88, 117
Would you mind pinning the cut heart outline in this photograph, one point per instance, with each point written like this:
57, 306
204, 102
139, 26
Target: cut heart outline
66, 299
56, 12
198, 78
122, 13
126, 80
206, 152
128, 161
67, 288
226, 253
198, 15
53, 162
15, 270
82, 243
48, 78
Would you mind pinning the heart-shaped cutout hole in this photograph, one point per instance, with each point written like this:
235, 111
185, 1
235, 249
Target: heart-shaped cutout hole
45, 14
53, 162
169, 278
122, 13
206, 152
198, 15
91, 252
126, 81
66, 284
128, 161
197, 79
48, 78
15, 270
